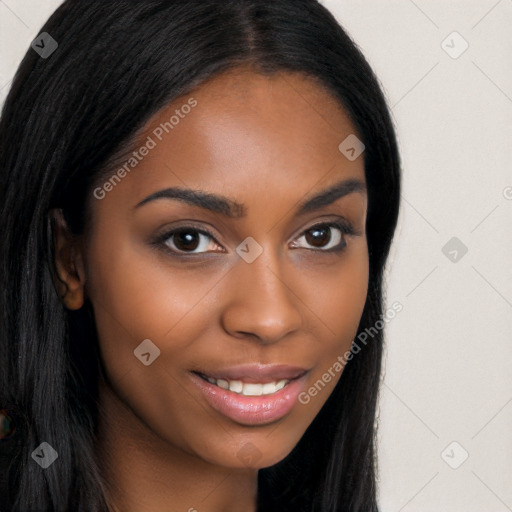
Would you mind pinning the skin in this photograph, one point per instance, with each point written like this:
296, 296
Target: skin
160, 443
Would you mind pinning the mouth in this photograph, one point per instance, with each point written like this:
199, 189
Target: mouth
253, 379
247, 388
252, 394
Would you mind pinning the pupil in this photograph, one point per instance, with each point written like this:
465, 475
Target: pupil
186, 237
319, 238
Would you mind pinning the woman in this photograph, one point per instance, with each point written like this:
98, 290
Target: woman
197, 204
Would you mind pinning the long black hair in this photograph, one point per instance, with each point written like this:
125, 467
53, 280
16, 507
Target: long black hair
65, 118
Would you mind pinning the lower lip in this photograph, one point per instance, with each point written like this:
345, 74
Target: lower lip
251, 410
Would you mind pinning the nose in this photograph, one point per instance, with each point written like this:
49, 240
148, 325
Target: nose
261, 303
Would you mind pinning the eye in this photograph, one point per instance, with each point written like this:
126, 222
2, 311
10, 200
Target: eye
321, 236
192, 240
188, 240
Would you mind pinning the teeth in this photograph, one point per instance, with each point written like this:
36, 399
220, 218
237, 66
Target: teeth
249, 388
268, 388
281, 384
224, 384
235, 385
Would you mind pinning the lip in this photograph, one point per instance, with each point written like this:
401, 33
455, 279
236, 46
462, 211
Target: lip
256, 372
253, 410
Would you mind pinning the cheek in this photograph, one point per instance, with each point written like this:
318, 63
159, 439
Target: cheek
337, 296
138, 297
337, 302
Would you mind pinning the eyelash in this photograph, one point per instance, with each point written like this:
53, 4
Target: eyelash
344, 227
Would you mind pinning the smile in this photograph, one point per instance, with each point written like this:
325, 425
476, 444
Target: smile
248, 388
251, 394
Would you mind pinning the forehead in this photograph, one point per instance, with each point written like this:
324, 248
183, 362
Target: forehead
246, 86
246, 135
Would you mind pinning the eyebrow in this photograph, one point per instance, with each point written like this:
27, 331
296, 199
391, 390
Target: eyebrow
233, 209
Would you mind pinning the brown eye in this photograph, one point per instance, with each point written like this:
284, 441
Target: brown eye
327, 237
318, 237
188, 240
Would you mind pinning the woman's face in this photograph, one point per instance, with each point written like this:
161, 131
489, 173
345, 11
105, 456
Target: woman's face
274, 294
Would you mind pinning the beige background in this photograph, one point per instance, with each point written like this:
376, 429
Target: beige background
448, 364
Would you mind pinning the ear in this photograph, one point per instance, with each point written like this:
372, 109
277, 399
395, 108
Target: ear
69, 262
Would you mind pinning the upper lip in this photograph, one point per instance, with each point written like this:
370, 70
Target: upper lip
256, 372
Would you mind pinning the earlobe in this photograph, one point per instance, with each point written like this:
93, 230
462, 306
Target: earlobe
69, 265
